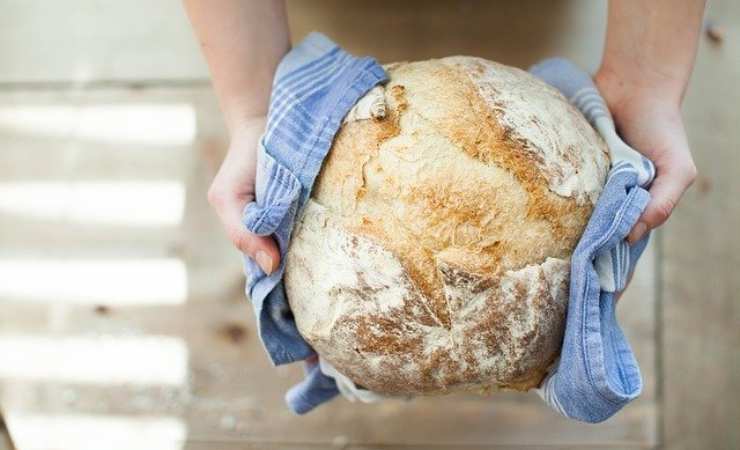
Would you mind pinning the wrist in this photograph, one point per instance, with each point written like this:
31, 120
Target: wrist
246, 126
644, 72
625, 93
242, 113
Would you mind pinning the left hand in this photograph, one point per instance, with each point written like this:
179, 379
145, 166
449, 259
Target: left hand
652, 125
233, 187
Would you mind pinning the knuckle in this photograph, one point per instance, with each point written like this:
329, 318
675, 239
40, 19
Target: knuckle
215, 196
242, 241
663, 209
684, 170
690, 172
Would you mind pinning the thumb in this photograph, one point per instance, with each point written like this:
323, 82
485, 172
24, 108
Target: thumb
262, 249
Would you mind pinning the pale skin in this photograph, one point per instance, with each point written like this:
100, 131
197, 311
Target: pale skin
645, 69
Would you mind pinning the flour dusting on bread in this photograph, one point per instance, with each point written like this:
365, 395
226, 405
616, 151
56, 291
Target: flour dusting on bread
433, 255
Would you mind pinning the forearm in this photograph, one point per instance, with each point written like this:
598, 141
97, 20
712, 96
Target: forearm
243, 42
648, 57
651, 46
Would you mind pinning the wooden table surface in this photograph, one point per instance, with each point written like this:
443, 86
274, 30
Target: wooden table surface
124, 323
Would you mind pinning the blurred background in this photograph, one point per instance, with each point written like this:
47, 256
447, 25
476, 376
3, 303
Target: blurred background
123, 323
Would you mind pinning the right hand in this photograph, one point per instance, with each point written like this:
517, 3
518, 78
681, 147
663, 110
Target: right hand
650, 121
233, 188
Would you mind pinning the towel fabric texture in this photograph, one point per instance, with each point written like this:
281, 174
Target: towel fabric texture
597, 373
315, 86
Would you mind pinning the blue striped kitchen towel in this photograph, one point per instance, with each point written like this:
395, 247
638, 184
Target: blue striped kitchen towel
597, 373
315, 86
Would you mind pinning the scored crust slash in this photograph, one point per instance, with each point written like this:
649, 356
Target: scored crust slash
433, 254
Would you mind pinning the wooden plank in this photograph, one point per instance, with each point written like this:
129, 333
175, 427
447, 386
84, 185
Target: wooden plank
232, 396
91, 41
229, 391
701, 313
339, 444
516, 33
88, 40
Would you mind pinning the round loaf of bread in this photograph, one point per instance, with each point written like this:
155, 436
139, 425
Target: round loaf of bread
434, 252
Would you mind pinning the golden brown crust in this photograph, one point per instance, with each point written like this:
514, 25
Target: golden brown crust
462, 203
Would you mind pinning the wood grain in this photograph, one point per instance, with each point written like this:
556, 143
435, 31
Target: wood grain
700, 286
231, 392
232, 397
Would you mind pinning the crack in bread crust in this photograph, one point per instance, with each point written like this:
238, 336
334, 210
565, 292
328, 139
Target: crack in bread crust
433, 255
504, 333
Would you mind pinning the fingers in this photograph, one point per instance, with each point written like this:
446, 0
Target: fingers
233, 188
672, 181
229, 207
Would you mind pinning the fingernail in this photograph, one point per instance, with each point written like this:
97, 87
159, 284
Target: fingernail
264, 261
637, 232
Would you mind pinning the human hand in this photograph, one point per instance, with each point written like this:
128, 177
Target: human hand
233, 188
651, 123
